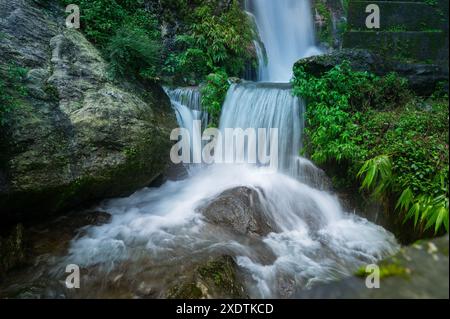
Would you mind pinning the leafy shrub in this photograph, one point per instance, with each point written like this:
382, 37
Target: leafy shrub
214, 92
99, 18
379, 132
133, 52
214, 40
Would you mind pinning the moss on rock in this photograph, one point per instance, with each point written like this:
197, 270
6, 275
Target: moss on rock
216, 278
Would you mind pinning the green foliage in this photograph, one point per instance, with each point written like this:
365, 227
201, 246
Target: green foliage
380, 134
133, 52
425, 209
326, 29
377, 174
200, 37
12, 88
335, 102
213, 93
213, 41
99, 18
126, 32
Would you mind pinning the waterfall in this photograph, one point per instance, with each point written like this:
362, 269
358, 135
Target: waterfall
253, 105
313, 240
286, 28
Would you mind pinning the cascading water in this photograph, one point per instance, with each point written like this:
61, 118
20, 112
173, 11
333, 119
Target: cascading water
265, 105
286, 28
187, 99
312, 240
156, 232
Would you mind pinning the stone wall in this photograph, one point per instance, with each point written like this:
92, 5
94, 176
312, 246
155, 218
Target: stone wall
413, 30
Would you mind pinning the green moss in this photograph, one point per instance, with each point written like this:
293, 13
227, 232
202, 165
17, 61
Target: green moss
325, 32
185, 291
386, 270
52, 92
12, 89
214, 279
222, 274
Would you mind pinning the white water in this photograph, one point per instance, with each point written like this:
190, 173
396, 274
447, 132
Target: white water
187, 99
313, 241
317, 241
286, 28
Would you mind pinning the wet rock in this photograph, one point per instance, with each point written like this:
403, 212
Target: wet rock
420, 270
423, 79
77, 136
12, 249
239, 210
215, 279
54, 237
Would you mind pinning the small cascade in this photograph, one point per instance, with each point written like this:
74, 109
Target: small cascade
264, 105
189, 98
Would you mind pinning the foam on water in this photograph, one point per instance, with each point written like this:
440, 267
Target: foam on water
317, 241
313, 241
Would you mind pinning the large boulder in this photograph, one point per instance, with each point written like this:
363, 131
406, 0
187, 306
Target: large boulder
423, 79
77, 135
238, 210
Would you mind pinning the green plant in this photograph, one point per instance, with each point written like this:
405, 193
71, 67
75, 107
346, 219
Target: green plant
215, 39
99, 18
381, 135
213, 93
325, 31
377, 174
133, 52
335, 102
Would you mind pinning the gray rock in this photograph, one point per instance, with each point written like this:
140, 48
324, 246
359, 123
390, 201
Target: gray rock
422, 78
77, 135
239, 210
419, 271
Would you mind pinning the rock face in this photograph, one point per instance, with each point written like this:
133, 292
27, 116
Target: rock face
77, 135
238, 210
422, 78
411, 30
330, 21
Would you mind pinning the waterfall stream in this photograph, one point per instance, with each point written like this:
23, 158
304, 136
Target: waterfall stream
287, 31
312, 239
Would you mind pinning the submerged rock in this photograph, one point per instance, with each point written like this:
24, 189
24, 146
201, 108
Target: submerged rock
77, 135
423, 79
239, 210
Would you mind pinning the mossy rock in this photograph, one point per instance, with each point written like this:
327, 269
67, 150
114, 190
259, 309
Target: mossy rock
78, 136
216, 278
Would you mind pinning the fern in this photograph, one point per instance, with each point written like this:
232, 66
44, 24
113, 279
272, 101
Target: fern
377, 174
426, 210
